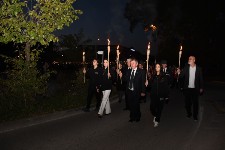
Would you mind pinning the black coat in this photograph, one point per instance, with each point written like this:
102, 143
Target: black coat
94, 76
139, 81
184, 78
106, 83
169, 76
159, 86
120, 82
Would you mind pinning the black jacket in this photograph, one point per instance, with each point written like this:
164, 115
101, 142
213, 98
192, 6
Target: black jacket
120, 82
139, 81
106, 83
159, 86
184, 78
94, 76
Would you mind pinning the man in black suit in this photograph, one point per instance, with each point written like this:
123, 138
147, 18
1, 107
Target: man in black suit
168, 73
126, 69
192, 80
135, 89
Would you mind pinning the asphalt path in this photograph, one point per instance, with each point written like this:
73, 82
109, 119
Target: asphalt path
85, 131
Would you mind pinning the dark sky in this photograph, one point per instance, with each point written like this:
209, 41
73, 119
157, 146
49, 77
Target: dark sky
106, 17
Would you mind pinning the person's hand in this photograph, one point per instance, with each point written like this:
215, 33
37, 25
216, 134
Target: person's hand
84, 71
120, 74
142, 94
178, 71
201, 91
146, 83
109, 75
97, 89
117, 71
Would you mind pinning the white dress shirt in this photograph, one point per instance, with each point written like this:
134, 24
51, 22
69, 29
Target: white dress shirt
192, 77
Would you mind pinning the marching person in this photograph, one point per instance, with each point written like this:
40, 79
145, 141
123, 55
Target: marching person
135, 89
106, 87
127, 69
94, 83
158, 94
168, 73
141, 66
120, 84
192, 79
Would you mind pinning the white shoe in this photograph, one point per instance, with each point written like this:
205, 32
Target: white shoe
156, 124
154, 119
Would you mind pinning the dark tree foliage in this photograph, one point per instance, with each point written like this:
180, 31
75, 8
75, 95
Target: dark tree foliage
197, 25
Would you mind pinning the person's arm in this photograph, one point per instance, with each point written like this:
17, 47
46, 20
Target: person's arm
143, 81
201, 81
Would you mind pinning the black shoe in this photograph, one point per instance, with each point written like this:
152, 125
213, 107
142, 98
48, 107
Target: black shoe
130, 120
188, 116
195, 118
137, 120
86, 109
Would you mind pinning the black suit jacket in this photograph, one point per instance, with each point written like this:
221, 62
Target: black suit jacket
184, 77
139, 81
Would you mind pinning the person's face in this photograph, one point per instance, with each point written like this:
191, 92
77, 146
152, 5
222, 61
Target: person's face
94, 62
128, 63
140, 66
105, 63
157, 68
134, 64
191, 60
164, 66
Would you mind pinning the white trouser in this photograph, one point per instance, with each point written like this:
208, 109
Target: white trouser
105, 103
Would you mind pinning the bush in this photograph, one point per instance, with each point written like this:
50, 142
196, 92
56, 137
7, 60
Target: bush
22, 84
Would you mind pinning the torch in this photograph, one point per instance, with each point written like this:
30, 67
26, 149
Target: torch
180, 53
108, 55
148, 54
84, 64
117, 58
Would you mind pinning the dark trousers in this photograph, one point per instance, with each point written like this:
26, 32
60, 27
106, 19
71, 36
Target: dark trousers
134, 105
191, 99
156, 107
142, 98
91, 92
120, 95
126, 100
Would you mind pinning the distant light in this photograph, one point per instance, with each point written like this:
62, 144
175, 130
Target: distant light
98, 39
132, 49
62, 55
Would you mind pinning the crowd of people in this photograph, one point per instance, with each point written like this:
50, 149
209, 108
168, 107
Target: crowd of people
133, 81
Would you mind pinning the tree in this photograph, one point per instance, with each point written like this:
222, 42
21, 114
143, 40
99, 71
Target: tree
30, 23
177, 22
20, 23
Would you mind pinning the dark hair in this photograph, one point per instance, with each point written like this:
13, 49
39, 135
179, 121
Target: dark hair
95, 60
134, 59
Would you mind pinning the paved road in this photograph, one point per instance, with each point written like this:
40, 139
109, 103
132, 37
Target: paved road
85, 131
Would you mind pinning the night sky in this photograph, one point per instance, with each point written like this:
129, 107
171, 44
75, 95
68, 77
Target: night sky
198, 25
106, 17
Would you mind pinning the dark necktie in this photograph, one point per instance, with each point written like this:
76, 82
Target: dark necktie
131, 83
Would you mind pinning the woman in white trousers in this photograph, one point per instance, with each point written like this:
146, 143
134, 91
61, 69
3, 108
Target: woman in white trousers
106, 87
